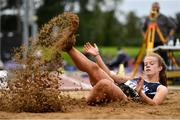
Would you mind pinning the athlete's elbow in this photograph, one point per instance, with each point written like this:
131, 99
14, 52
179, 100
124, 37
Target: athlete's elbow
154, 103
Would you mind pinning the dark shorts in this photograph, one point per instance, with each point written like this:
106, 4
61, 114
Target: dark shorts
127, 90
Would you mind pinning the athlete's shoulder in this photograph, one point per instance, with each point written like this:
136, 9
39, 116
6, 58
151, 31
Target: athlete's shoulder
162, 88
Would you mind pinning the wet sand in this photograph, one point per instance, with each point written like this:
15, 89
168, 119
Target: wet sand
170, 109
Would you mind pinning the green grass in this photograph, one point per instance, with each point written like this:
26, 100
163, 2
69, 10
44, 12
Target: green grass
107, 52
110, 52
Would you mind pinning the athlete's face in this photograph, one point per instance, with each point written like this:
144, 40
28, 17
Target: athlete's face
151, 65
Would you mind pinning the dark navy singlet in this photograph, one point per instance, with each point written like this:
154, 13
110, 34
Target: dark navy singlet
150, 89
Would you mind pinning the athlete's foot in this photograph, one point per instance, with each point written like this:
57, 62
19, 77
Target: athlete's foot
66, 41
66, 38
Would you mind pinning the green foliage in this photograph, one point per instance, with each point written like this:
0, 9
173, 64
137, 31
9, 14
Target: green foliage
49, 9
99, 27
132, 32
96, 25
177, 34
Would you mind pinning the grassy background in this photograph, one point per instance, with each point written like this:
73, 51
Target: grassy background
110, 52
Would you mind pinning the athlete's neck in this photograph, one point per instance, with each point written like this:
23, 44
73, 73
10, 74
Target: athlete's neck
153, 78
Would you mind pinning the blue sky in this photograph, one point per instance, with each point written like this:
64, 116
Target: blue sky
142, 7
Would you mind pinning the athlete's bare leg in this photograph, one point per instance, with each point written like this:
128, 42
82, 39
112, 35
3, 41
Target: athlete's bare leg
104, 88
84, 64
105, 91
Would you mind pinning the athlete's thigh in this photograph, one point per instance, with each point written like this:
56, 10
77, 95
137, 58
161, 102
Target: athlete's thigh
96, 75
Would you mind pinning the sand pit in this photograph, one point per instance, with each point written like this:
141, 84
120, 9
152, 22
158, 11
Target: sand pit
131, 110
33, 93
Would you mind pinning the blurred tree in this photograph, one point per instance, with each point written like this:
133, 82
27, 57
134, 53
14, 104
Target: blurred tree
177, 33
96, 24
97, 20
11, 28
132, 30
7, 4
91, 24
11, 22
113, 30
49, 9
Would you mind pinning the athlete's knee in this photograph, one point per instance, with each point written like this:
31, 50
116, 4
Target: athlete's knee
94, 67
91, 101
104, 84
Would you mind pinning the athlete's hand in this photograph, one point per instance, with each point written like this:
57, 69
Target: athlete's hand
93, 50
139, 85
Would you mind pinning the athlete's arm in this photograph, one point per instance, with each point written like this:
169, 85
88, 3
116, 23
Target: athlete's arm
160, 96
94, 51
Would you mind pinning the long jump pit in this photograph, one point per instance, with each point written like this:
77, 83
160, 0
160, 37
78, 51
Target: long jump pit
117, 110
74, 89
36, 93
